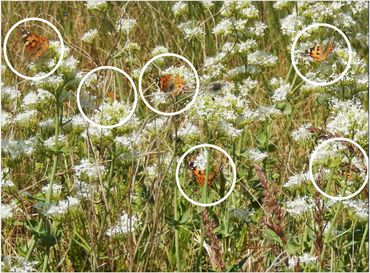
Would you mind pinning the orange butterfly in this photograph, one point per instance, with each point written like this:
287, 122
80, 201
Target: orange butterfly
319, 54
112, 95
36, 45
171, 84
200, 175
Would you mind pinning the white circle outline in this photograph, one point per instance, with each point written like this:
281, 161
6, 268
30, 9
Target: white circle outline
79, 103
313, 155
60, 55
292, 53
232, 164
196, 88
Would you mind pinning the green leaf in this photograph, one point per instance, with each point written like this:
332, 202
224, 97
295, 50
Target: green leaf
272, 236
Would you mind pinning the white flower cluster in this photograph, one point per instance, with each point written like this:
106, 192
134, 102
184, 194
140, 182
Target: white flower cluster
92, 170
17, 264
191, 30
302, 134
296, 180
52, 142
62, 206
299, 206
200, 162
7, 210
348, 120
304, 259
125, 25
99, 5
37, 97
55, 189
89, 36
126, 224
256, 155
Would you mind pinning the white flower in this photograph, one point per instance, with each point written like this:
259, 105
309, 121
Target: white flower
223, 27
305, 259
189, 129
78, 121
25, 117
151, 170
89, 36
159, 50
126, 224
69, 65
302, 134
179, 8
62, 206
262, 58
293, 261
256, 155
281, 93
83, 190
56, 188
3, 181
230, 129
125, 25
17, 264
299, 205
92, 170
53, 82
51, 141
280, 4
10, 92
37, 97
291, 24
360, 207
7, 210
111, 113
348, 120
296, 180
6, 118
97, 5
200, 161
190, 30
124, 141
207, 3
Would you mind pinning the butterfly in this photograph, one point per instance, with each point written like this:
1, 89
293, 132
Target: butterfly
319, 54
112, 95
36, 45
171, 84
200, 175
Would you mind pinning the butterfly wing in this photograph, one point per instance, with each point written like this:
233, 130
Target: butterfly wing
328, 50
179, 85
316, 53
166, 83
36, 45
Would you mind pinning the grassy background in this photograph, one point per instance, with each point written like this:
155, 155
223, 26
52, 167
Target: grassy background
172, 230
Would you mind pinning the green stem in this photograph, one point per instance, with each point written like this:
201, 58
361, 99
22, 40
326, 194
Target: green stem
50, 189
328, 233
177, 245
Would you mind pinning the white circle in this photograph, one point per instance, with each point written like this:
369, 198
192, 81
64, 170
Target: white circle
60, 55
196, 88
232, 167
79, 103
336, 198
348, 65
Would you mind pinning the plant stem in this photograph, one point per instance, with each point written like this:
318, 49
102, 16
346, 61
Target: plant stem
50, 189
177, 246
